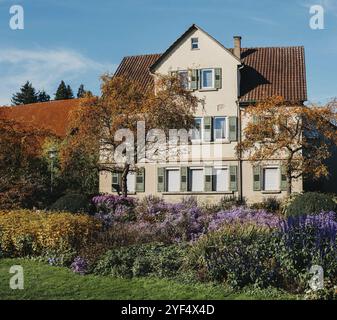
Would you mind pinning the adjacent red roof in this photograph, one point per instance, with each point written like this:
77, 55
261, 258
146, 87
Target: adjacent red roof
137, 68
266, 72
51, 115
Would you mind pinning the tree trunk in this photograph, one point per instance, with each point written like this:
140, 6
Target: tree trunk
126, 170
289, 187
289, 178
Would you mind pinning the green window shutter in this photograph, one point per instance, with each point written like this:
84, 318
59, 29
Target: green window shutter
194, 79
183, 178
161, 179
284, 182
218, 78
233, 182
208, 179
257, 181
208, 129
233, 128
140, 180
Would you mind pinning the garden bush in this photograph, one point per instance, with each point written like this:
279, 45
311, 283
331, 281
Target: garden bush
74, 203
310, 203
111, 208
255, 254
153, 259
31, 233
269, 204
236, 254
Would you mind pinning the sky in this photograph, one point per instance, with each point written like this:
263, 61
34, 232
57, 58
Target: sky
79, 40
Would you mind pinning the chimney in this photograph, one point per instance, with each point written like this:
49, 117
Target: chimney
237, 46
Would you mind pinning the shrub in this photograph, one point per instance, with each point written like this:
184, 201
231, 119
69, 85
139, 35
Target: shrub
236, 254
152, 209
112, 208
24, 233
306, 241
154, 259
225, 203
80, 266
250, 254
242, 215
269, 204
74, 203
311, 203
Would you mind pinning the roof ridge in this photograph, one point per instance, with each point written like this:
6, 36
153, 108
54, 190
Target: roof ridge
143, 55
42, 103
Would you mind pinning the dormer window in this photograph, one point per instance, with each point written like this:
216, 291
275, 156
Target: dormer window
194, 43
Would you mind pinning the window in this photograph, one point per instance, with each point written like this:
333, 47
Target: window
220, 128
173, 180
183, 77
131, 182
196, 180
271, 177
196, 131
194, 43
207, 78
220, 179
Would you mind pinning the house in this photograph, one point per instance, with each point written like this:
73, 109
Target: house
227, 80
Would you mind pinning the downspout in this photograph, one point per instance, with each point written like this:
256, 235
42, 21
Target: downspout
240, 184
239, 154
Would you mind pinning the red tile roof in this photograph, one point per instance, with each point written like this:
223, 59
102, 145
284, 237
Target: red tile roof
273, 71
267, 71
52, 115
137, 68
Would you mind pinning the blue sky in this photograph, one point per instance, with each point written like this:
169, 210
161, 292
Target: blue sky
77, 40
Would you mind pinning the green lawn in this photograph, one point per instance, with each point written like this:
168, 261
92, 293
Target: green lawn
45, 282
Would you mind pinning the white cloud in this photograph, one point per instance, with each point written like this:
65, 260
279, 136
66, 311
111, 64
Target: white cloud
45, 68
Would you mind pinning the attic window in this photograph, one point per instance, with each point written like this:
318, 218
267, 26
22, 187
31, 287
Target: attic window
194, 43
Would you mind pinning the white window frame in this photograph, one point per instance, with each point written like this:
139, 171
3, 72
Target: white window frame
188, 78
190, 180
194, 38
228, 177
202, 79
278, 182
226, 128
167, 178
201, 131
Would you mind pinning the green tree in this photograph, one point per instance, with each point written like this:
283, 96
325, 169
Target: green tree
64, 92
80, 91
42, 96
27, 94
70, 92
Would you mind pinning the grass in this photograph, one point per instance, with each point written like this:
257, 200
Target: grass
44, 282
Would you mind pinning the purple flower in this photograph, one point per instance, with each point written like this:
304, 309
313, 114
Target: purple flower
243, 215
79, 266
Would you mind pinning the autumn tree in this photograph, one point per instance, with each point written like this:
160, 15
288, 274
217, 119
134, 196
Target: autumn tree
23, 174
302, 136
122, 105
